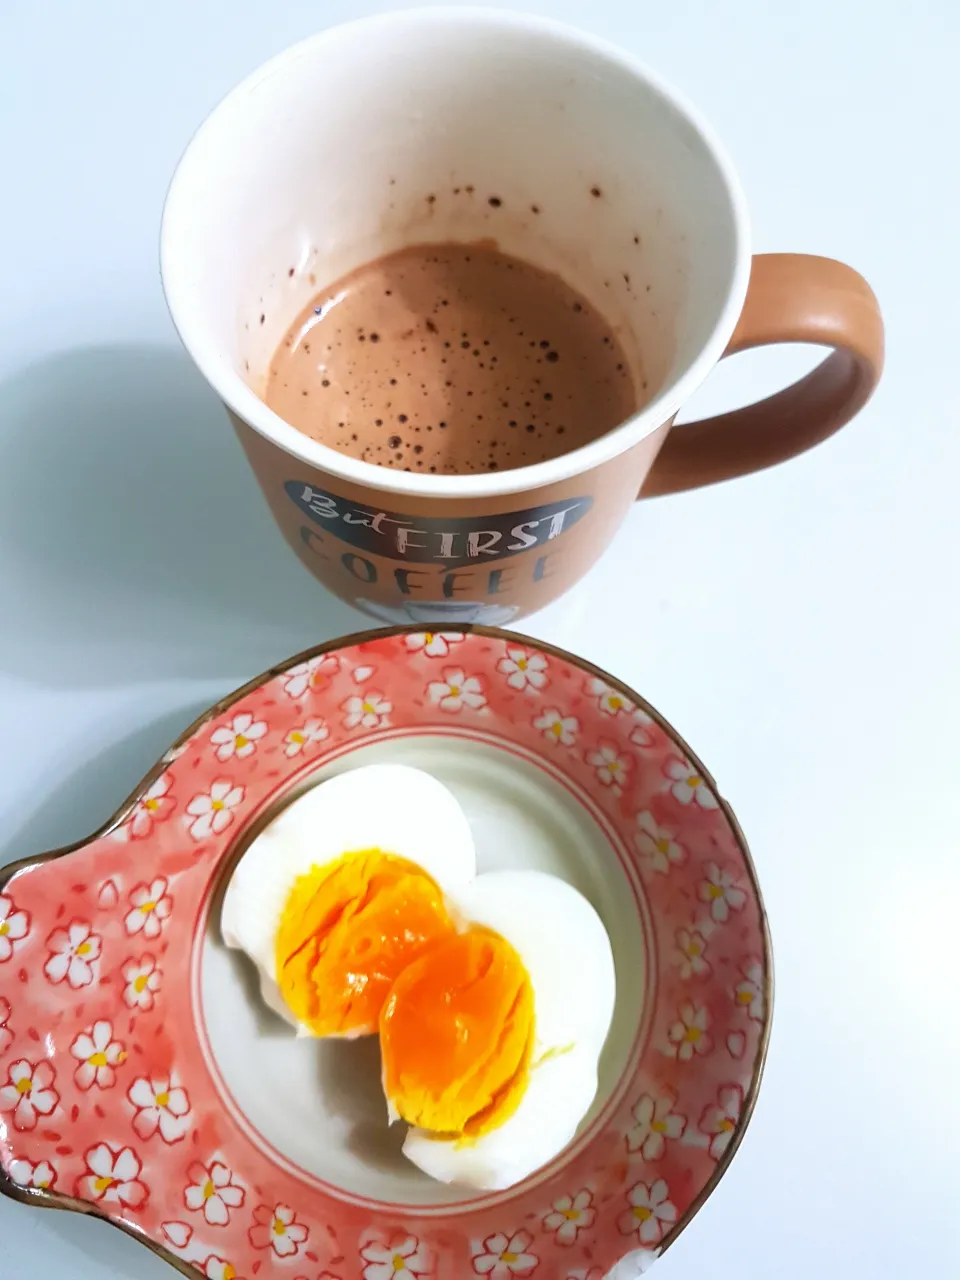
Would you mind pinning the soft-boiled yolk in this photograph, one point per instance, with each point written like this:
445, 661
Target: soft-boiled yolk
347, 931
456, 1035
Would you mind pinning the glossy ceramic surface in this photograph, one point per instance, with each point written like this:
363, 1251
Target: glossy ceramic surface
140, 1079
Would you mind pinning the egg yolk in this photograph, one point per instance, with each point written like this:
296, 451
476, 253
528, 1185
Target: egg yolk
346, 932
456, 1035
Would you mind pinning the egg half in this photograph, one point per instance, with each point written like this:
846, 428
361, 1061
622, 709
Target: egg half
491, 1038
341, 892
492, 994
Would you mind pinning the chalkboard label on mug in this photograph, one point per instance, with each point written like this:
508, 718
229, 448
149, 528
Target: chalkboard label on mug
440, 540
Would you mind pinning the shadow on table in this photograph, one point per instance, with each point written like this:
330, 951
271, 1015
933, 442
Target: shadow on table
86, 1247
135, 547
134, 542
80, 803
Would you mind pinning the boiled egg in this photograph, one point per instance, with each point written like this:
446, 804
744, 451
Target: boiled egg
491, 1038
344, 889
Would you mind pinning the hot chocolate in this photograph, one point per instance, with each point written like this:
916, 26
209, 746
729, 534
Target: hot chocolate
451, 359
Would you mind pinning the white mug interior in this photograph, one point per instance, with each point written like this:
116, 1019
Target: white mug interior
455, 125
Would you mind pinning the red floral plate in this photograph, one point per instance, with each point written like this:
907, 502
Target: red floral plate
142, 1079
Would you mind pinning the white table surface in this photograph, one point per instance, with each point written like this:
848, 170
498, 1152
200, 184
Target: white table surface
800, 627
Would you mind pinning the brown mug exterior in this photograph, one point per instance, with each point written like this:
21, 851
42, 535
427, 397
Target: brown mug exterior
463, 560
496, 558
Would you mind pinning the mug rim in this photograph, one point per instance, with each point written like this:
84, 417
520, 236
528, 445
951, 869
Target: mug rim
239, 398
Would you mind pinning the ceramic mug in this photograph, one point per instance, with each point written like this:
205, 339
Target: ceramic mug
399, 129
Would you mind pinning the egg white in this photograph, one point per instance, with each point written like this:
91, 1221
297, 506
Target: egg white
395, 808
566, 951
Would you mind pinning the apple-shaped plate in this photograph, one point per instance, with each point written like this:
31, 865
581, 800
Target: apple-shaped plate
141, 1078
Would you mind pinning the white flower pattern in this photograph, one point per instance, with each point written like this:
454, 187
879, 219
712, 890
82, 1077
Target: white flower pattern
722, 892
142, 981
277, 1229
658, 845
651, 1212
14, 927
219, 1269
456, 690
213, 1192
74, 955
113, 1176
434, 644
312, 676
501, 1256
691, 954
239, 738
369, 711
557, 728
748, 993
162, 1106
42, 1175
29, 1093
569, 1216
398, 1259
656, 1124
212, 811
688, 1036
611, 766
150, 906
308, 735
98, 1055
688, 785
720, 1120
155, 805
610, 701
523, 669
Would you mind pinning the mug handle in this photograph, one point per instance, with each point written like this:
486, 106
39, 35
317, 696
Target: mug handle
792, 297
